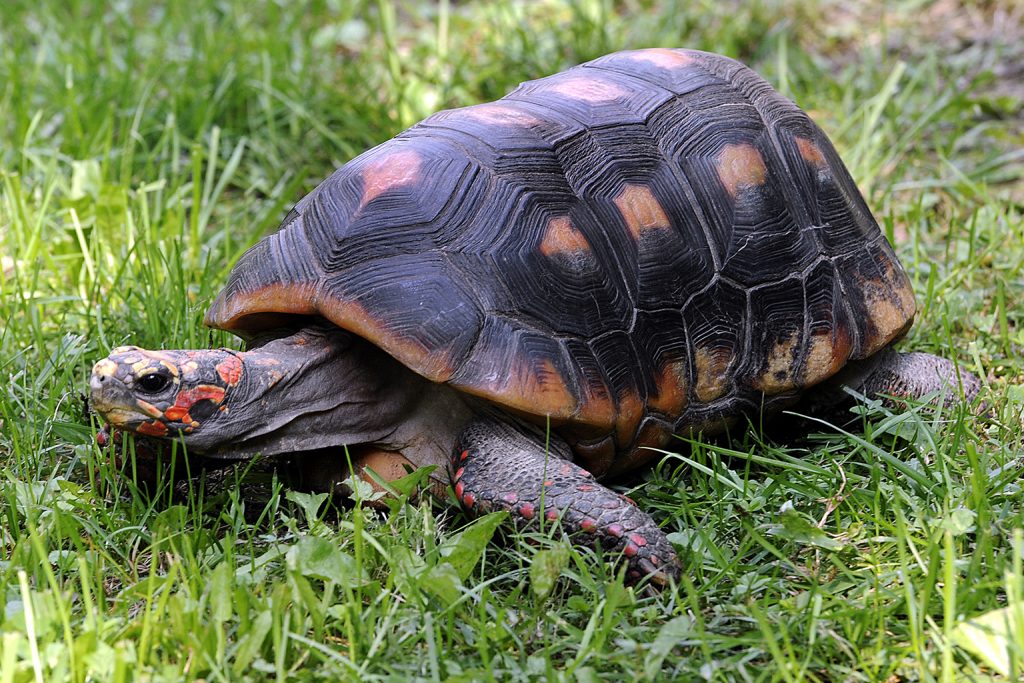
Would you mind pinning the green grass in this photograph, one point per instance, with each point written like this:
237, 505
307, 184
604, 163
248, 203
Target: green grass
142, 148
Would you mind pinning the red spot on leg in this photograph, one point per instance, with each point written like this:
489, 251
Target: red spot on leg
584, 488
630, 550
527, 510
551, 515
459, 488
638, 539
459, 472
230, 370
589, 525
615, 530
511, 497
464, 455
469, 500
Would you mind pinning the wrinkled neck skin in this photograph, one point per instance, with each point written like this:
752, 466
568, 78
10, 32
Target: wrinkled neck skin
322, 388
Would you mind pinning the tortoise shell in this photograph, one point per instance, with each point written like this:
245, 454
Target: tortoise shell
650, 243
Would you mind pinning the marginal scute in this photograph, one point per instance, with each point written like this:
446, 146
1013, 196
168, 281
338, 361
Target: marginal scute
712, 373
671, 384
631, 411
650, 438
828, 351
779, 375
891, 308
388, 172
244, 311
533, 388
432, 363
740, 167
641, 210
561, 237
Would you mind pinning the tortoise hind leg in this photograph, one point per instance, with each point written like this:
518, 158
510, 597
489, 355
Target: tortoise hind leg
916, 375
497, 466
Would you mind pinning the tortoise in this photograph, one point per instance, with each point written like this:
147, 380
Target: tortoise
537, 293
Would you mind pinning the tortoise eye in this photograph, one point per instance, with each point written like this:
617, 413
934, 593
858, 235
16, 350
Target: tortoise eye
153, 382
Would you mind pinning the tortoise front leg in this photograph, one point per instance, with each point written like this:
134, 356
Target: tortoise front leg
496, 466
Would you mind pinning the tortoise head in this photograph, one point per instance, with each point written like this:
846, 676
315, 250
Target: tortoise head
315, 388
164, 393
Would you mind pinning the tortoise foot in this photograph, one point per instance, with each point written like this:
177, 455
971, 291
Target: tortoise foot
496, 466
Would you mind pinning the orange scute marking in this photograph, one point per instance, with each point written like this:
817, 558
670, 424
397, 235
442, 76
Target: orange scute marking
230, 370
641, 210
827, 353
712, 367
588, 89
562, 238
231, 313
664, 57
536, 387
778, 375
631, 411
671, 383
497, 113
810, 152
740, 167
394, 170
433, 364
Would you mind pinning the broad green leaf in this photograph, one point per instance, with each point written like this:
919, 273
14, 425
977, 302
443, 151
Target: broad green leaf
443, 583
463, 550
309, 502
960, 521
221, 592
319, 558
994, 637
795, 527
251, 642
547, 566
669, 636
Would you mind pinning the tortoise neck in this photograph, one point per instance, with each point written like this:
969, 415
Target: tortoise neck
315, 388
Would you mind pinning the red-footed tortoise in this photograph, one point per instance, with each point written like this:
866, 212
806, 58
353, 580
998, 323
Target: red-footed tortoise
532, 293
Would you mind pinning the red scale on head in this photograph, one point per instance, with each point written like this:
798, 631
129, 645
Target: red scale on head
154, 428
230, 370
187, 398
